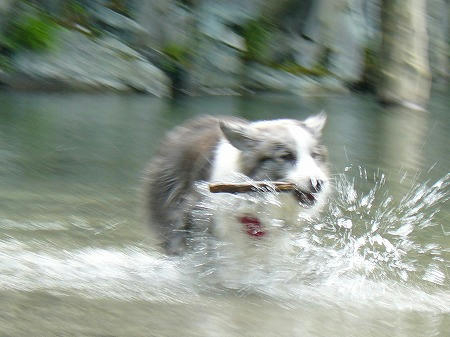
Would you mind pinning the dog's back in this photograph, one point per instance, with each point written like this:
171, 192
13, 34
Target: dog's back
183, 158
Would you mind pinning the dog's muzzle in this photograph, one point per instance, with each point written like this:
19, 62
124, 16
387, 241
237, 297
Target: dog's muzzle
306, 199
309, 198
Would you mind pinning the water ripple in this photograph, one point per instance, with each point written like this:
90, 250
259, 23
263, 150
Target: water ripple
369, 247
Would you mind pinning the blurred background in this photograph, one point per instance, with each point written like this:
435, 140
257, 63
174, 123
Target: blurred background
168, 47
89, 87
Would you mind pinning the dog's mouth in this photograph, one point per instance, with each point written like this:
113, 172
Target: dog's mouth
306, 199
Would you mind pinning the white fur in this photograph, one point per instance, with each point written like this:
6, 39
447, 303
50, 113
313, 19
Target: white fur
281, 214
225, 165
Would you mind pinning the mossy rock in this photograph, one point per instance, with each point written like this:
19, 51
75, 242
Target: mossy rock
256, 34
296, 69
5, 63
119, 6
30, 31
177, 53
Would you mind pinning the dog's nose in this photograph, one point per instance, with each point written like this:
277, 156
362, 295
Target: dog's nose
316, 184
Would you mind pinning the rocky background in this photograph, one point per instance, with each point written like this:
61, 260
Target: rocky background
170, 47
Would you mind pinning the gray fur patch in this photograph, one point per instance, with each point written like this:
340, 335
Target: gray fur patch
184, 157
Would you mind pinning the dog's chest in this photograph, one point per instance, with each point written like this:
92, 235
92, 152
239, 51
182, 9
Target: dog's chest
251, 226
248, 221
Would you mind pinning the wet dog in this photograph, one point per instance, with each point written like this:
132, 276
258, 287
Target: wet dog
229, 149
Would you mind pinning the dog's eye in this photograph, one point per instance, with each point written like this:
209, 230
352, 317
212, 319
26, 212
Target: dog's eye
264, 160
288, 156
319, 153
315, 154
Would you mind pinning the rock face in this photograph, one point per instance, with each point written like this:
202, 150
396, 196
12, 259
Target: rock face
341, 28
405, 72
438, 30
117, 23
216, 64
5, 6
227, 47
81, 63
259, 77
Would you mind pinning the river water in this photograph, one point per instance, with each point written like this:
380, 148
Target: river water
77, 260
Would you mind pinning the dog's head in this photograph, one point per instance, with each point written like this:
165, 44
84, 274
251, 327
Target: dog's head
283, 150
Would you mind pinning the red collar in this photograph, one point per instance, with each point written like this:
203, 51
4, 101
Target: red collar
253, 226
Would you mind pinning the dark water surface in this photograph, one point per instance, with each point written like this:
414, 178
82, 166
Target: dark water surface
76, 259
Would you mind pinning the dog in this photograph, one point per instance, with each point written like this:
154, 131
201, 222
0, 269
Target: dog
230, 149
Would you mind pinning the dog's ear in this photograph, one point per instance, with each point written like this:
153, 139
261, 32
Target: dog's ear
238, 135
316, 123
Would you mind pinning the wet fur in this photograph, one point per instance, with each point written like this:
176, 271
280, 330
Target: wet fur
184, 157
214, 149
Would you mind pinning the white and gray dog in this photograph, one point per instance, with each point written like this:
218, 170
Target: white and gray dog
228, 149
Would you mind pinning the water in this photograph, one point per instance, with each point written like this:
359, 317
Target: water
76, 260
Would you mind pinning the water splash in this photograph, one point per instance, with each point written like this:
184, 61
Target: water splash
367, 232
382, 236
370, 245
130, 273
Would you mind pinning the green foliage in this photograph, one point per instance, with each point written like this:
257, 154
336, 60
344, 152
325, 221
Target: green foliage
177, 53
75, 13
318, 70
119, 6
370, 59
370, 71
256, 34
33, 31
5, 63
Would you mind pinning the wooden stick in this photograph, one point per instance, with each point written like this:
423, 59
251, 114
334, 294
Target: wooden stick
257, 186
